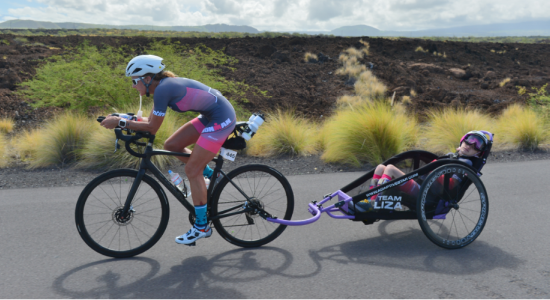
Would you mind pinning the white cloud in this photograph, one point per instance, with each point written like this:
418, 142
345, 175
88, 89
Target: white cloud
287, 15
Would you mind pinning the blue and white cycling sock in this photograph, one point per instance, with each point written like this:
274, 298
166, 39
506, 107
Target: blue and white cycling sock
207, 172
200, 220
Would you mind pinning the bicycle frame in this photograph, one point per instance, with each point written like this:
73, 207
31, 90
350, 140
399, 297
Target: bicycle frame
146, 164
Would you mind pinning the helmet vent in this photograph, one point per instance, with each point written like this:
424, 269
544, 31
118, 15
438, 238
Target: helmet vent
136, 70
129, 67
149, 65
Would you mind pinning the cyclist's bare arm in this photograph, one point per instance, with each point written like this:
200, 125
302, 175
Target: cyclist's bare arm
151, 124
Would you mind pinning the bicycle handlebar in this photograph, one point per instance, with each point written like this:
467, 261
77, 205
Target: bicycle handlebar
129, 139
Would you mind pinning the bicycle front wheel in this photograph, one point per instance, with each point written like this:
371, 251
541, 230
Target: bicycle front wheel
452, 215
100, 221
268, 189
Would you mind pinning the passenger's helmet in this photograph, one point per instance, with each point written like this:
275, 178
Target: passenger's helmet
477, 138
144, 64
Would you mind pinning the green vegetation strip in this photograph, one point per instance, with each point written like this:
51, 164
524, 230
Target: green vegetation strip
88, 77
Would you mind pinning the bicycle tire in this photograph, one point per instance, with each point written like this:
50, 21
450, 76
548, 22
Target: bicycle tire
453, 218
97, 214
264, 184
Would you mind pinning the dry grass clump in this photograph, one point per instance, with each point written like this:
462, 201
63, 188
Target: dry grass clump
350, 59
60, 139
97, 152
420, 49
368, 86
285, 132
504, 82
308, 57
445, 128
521, 127
4, 157
25, 146
6, 125
366, 47
352, 70
371, 132
349, 101
54, 144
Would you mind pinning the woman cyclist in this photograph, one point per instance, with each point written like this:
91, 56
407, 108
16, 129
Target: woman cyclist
208, 131
470, 147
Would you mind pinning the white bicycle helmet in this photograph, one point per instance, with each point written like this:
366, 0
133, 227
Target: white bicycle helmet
144, 64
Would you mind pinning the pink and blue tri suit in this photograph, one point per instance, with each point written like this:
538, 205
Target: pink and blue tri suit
217, 117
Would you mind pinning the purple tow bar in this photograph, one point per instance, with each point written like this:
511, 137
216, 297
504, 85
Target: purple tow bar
316, 209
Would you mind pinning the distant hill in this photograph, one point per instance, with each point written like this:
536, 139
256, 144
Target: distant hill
532, 28
357, 30
29, 24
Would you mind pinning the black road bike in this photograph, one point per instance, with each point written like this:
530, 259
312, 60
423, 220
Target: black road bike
124, 212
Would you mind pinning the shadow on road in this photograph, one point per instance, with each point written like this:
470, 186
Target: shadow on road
195, 277
412, 250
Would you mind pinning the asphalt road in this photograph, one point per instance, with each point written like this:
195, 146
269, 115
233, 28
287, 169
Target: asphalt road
42, 255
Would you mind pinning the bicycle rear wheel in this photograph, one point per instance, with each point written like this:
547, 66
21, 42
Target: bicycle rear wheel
267, 188
99, 219
452, 217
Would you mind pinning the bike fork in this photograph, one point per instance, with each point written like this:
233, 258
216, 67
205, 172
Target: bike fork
132, 193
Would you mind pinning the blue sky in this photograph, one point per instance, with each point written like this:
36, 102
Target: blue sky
281, 15
9, 4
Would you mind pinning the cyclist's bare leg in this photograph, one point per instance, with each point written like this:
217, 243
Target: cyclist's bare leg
193, 169
393, 171
179, 140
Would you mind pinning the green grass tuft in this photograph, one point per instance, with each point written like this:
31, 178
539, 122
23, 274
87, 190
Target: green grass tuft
4, 158
522, 128
444, 128
367, 133
60, 139
284, 132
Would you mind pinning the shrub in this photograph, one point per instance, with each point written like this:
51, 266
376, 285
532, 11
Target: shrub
6, 125
284, 133
539, 101
97, 152
521, 127
88, 77
371, 132
444, 128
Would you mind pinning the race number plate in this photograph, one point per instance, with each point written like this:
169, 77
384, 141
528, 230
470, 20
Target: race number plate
228, 154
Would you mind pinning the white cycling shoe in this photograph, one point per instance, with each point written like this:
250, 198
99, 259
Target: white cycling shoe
193, 235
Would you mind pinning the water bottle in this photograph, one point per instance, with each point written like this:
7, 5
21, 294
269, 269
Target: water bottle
125, 116
179, 183
176, 180
254, 123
